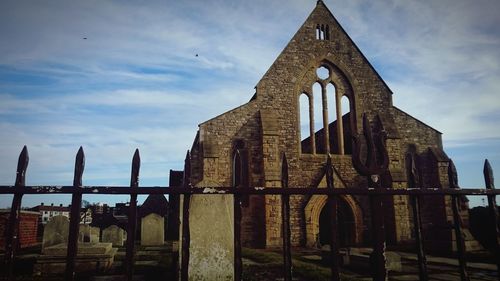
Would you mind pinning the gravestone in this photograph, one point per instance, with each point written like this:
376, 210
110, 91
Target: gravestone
211, 251
152, 230
114, 235
55, 232
95, 233
84, 233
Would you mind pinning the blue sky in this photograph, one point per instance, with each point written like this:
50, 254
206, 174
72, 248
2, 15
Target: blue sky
136, 81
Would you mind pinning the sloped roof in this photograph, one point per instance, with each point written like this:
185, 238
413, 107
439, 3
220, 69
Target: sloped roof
398, 109
155, 203
439, 154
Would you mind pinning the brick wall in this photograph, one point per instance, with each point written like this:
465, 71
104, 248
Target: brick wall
28, 228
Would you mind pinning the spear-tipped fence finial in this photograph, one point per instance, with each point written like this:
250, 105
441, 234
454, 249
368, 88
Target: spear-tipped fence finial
186, 177
22, 165
488, 175
79, 167
136, 165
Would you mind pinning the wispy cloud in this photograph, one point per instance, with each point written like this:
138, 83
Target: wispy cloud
148, 73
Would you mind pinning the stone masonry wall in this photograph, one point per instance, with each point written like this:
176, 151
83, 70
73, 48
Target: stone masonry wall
269, 126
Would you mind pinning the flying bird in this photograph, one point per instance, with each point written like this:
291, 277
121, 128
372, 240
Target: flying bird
84, 38
196, 55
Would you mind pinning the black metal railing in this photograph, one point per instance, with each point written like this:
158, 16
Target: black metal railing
379, 272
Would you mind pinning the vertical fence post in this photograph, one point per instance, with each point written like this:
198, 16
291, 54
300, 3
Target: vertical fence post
457, 222
378, 255
12, 230
74, 218
417, 221
237, 183
492, 206
373, 169
185, 219
132, 215
332, 206
285, 216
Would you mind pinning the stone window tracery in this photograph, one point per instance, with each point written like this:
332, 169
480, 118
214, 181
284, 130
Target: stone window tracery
322, 32
329, 121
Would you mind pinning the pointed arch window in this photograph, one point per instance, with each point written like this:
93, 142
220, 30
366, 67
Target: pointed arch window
305, 122
329, 116
322, 32
318, 115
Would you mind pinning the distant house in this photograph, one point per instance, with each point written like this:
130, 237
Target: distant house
46, 212
99, 208
86, 216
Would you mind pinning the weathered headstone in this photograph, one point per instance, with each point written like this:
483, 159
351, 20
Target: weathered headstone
113, 234
211, 251
152, 230
95, 233
55, 232
84, 233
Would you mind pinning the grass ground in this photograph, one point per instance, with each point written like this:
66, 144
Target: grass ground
259, 265
268, 265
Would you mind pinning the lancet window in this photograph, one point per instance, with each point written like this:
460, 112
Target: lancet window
324, 117
322, 32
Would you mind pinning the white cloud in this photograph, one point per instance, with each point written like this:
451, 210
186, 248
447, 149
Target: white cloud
136, 82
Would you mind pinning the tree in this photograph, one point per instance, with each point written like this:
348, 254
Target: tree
85, 204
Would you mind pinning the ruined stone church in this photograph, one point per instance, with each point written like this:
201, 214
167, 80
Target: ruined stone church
321, 70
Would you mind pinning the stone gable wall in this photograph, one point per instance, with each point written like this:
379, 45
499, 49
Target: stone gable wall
269, 126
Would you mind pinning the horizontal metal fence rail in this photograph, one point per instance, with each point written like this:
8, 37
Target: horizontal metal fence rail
146, 190
379, 272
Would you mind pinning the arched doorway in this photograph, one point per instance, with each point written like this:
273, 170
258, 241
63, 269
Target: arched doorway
350, 221
346, 225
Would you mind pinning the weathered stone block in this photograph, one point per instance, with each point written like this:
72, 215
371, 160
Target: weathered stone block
91, 257
95, 233
114, 234
55, 232
152, 230
211, 231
